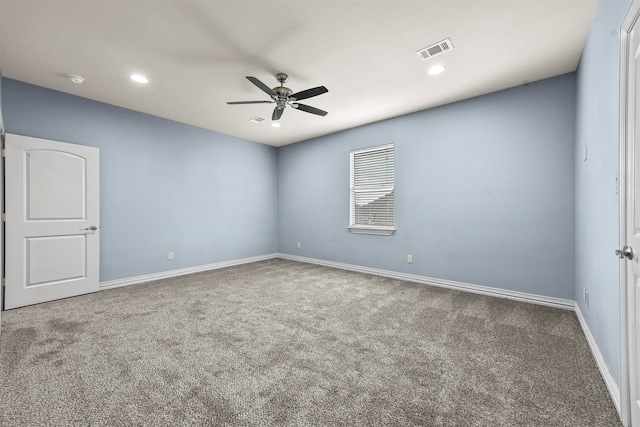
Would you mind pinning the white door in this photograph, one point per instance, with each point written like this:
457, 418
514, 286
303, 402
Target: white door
52, 226
631, 251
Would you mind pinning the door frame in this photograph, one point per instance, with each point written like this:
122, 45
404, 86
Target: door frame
626, 169
2, 138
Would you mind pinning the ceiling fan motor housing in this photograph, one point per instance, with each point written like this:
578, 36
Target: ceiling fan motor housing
282, 92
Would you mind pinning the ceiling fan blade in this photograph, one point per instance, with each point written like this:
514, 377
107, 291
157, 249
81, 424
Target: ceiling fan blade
266, 89
310, 92
277, 113
309, 109
250, 102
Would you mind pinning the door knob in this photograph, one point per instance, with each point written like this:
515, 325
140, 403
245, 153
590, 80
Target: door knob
94, 228
626, 252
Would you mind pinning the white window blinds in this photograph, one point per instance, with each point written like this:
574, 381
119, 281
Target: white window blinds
372, 190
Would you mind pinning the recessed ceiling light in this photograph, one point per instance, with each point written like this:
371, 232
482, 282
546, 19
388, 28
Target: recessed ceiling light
275, 124
139, 78
435, 70
75, 79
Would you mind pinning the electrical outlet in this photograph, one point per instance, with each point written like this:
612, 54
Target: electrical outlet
298, 245
170, 256
410, 259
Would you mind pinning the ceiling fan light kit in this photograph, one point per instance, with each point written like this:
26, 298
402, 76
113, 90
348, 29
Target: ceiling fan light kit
284, 97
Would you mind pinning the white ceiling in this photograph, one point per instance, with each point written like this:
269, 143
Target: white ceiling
197, 54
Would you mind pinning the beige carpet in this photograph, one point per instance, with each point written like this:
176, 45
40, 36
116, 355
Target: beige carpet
292, 344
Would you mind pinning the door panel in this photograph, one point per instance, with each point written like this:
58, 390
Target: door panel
55, 258
52, 202
53, 172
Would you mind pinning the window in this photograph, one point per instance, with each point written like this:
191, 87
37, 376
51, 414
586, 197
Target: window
372, 187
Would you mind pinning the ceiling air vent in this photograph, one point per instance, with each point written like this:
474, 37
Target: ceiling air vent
257, 119
435, 49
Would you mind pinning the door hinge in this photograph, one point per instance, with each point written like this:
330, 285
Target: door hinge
4, 152
4, 217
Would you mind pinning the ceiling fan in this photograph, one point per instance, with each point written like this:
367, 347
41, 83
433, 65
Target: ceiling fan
283, 96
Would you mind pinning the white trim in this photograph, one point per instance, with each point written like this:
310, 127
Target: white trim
379, 231
466, 287
2, 209
609, 381
372, 148
110, 284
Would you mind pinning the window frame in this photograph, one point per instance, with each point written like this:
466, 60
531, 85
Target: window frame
364, 228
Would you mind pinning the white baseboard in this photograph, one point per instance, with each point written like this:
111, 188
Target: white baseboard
110, 284
614, 391
467, 287
610, 382
477, 289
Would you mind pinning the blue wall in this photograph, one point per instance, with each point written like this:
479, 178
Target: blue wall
484, 192
597, 211
165, 186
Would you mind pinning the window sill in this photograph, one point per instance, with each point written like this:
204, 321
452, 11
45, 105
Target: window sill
379, 231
